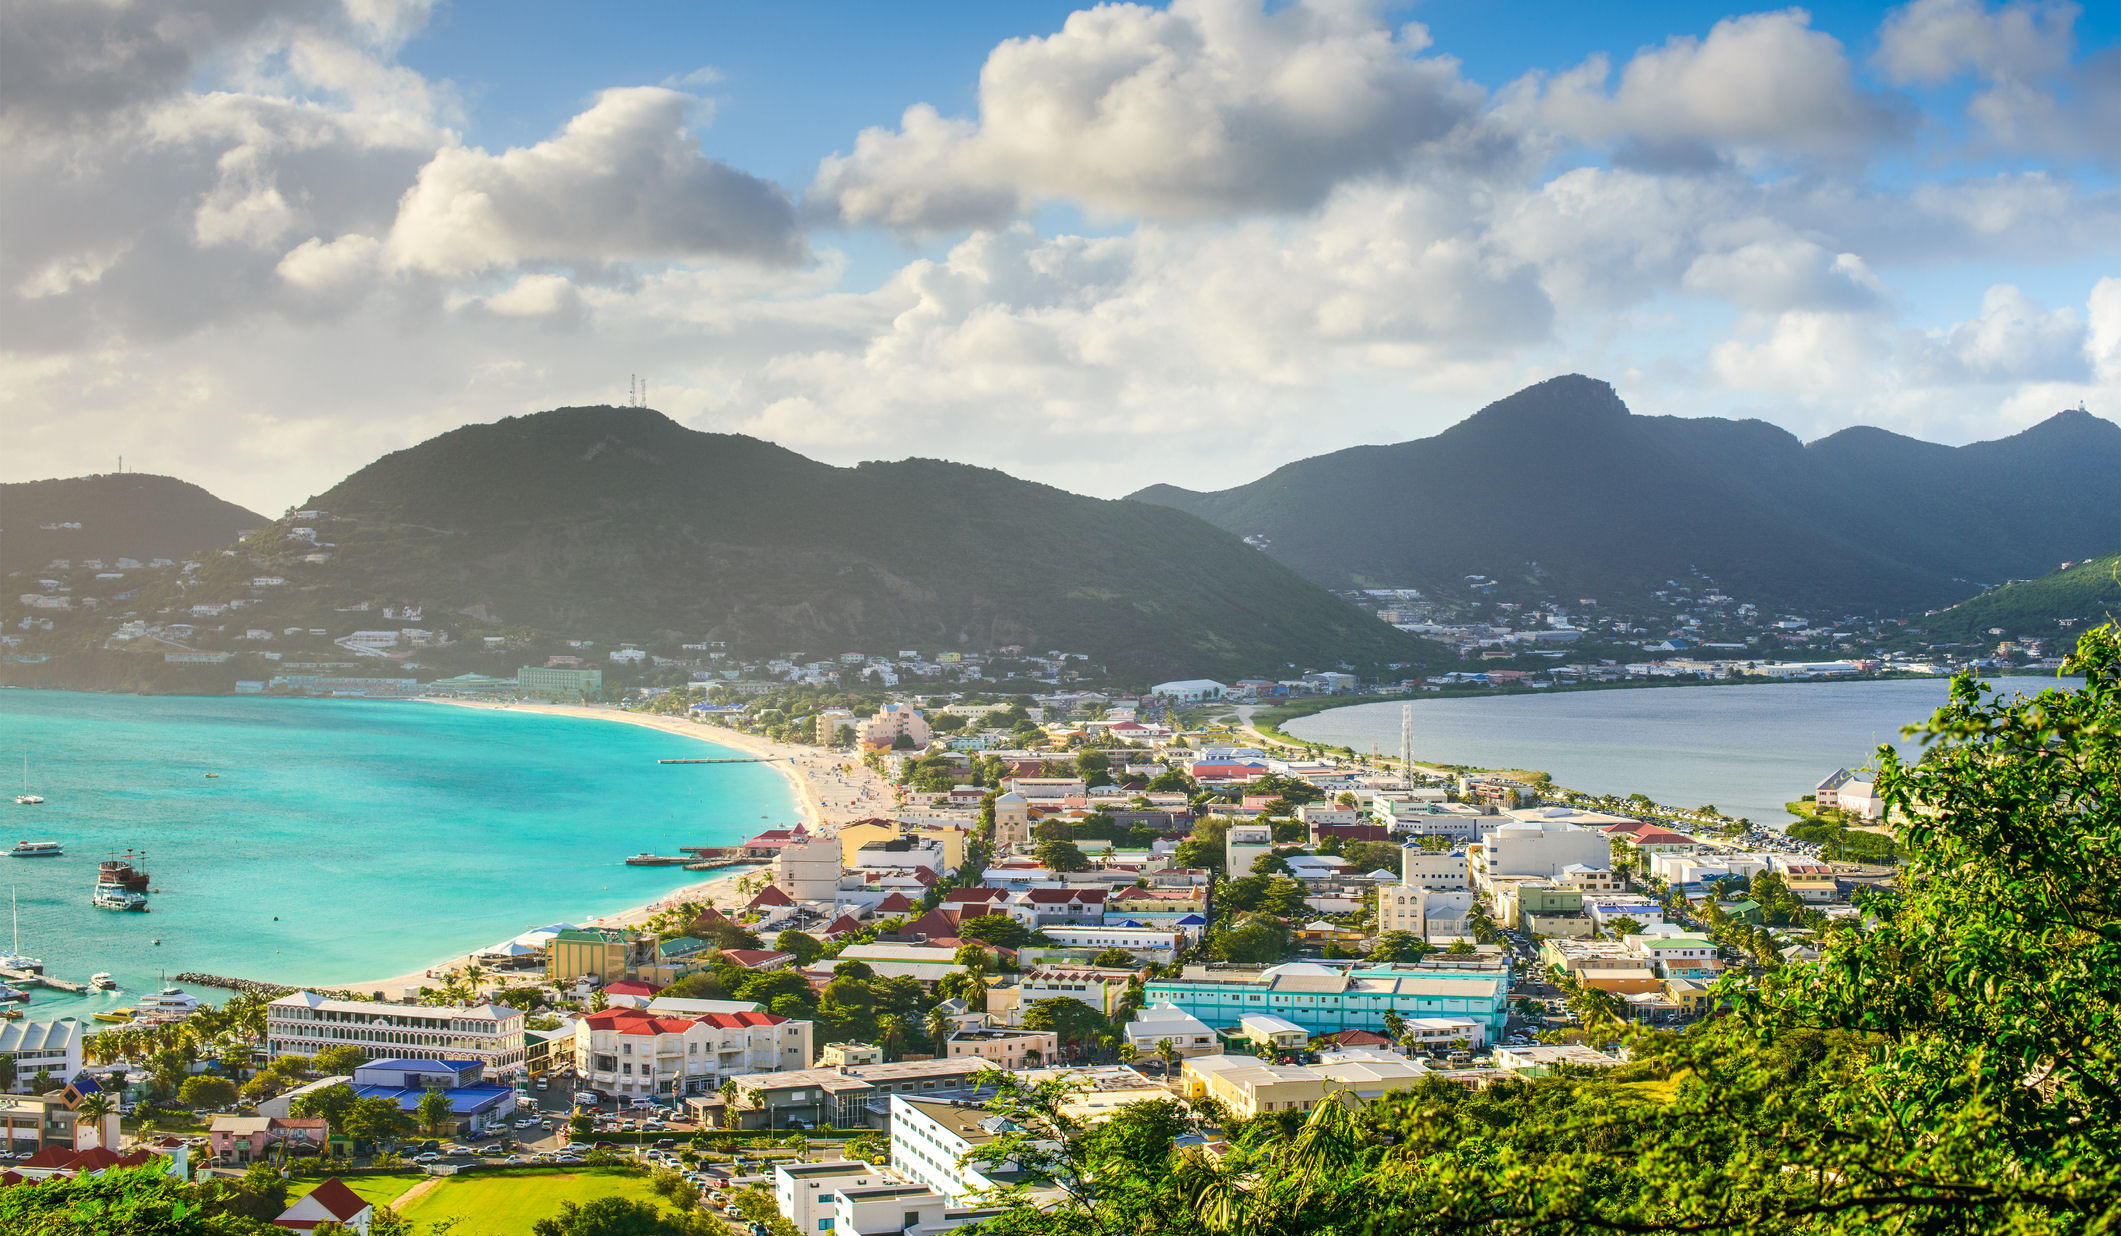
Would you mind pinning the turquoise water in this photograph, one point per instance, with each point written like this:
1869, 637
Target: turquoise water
343, 840
1746, 749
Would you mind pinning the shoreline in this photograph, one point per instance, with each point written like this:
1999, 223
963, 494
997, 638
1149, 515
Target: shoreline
809, 771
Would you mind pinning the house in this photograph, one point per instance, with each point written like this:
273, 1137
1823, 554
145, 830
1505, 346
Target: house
330, 1202
247, 1139
1277, 1032
1044, 907
1167, 1023
1007, 1049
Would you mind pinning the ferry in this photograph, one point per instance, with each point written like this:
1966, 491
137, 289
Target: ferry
168, 1004
102, 982
37, 849
111, 897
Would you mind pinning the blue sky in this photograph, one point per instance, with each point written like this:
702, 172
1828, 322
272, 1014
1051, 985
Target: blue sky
258, 242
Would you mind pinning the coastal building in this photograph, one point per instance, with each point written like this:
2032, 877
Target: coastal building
1163, 1023
477, 1104
1324, 1000
306, 1023
632, 1053
929, 1142
808, 869
611, 954
950, 837
236, 1140
41, 1049
558, 683
895, 725
830, 722
1189, 690
804, 1192
1005, 1049
844, 1097
1539, 847
36, 1122
1853, 792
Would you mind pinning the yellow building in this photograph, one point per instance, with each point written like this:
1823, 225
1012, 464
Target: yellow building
608, 954
852, 837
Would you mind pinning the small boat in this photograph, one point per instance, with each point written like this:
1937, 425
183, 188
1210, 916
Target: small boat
213, 774
102, 982
111, 897
25, 798
13, 995
115, 1016
14, 960
37, 849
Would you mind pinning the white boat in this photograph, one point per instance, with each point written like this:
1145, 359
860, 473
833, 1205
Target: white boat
15, 960
102, 982
37, 849
25, 798
168, 1004
111, 897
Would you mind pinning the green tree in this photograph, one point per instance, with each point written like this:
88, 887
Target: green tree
1622, 925
338, 1061
376, 1119
613, 1216
1115, 959
1398, 946
1250, 938
999, 930
1061, 856
801, 945
1074, 1021
434, 1111
207, 1092
333, 1103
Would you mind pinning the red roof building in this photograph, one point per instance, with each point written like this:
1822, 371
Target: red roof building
769, 896
330, 1202
757, 958
896, 903
630, 987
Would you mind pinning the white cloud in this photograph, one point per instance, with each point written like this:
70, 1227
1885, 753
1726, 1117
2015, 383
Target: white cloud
544, 298
1933, 41
623, 181
1214, 107
1786, 273
2015, 339
1761, 86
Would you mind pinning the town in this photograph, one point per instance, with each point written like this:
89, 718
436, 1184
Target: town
1083, 894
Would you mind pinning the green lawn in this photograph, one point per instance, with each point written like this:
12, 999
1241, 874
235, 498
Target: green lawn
382, 1190
507, 1203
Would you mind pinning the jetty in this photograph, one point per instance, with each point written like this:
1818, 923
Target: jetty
736, 759
27, 978
658, 860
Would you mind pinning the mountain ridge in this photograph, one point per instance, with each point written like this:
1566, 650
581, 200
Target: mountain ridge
137, 514
1561, 486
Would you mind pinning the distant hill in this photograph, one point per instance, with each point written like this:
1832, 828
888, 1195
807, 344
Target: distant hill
1560, 487
121, 514
618, 523
2072, 600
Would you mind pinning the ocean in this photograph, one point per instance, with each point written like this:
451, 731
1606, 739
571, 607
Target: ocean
1745, 749
341, 840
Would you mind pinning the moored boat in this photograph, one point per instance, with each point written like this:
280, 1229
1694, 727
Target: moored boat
168, 1004
111, 897
25, 798
114, 1016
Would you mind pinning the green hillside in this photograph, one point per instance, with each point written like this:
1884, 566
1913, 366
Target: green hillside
2073, 599
1562, 488
121, 515
617, 523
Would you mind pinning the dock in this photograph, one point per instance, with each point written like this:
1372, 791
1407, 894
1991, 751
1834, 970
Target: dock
739, 759
658, 860
26, 978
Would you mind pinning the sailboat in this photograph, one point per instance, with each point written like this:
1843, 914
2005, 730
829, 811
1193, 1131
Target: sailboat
25, 798
14, 960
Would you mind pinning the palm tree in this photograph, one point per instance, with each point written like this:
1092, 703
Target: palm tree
890, 1034
1127, 1053
728, 1092
1167, 1051
939, 1026
94, 1108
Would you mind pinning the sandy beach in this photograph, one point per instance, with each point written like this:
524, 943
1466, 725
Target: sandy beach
832, 788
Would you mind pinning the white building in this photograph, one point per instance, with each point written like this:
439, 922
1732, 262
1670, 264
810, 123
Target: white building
1543, 848
1166, 1022
306, 1023
48, 1047
1420, 868
632, 1053
1244, 845
929, 1138
1189, 690
1146, 943
893, 722
808, 870
804, 1192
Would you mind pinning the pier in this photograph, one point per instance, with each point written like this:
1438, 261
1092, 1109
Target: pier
739, 759
26, 978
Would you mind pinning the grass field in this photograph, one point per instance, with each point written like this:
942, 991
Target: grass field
382, 1190
507, 1203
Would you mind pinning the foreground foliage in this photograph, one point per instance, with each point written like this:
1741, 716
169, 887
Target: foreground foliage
1951, 1065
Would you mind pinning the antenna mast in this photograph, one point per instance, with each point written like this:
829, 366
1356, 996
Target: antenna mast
1406, 742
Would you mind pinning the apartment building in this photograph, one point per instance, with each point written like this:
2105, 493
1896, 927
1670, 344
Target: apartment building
306, 1023
633, 1053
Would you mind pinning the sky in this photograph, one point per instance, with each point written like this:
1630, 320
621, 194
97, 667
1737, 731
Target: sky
258, 243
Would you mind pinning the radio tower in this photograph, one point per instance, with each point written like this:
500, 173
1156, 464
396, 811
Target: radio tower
1406, 742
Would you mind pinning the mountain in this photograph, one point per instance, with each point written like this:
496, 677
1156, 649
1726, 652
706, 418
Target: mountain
1561, 489
618, 523
2056, 606
121, 514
